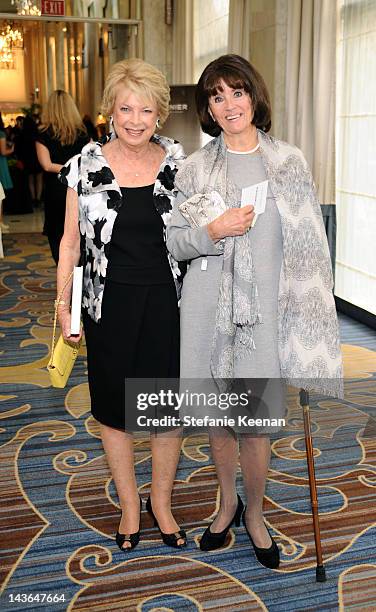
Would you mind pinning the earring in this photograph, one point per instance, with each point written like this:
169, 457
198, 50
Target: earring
111, 128
158, 124
211, 115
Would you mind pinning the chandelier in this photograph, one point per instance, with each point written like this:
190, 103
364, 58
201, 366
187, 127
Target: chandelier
26, 7
11, 37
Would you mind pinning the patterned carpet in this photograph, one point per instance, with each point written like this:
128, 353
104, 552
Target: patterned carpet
59, 510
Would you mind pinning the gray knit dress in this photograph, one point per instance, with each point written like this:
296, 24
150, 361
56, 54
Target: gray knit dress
201, 286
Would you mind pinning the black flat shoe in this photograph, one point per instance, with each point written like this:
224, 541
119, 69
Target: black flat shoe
268, 557
170, 539
133, 538
212, 541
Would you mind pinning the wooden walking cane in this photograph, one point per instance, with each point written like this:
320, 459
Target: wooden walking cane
304, 402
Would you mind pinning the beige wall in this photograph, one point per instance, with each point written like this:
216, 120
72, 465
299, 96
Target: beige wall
268, 52
210, 32
267, 43
12, 84
157, 36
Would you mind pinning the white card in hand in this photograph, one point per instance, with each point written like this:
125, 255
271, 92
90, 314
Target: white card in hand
256, 196
76, 300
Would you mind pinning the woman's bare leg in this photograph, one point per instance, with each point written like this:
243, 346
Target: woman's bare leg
165, 448
32, 186
39, 184
118, 446
224, 450
254, 460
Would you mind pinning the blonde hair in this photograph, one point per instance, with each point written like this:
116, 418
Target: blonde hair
142, 79
62, 117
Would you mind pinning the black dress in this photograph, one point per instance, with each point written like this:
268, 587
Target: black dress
54, 191
138, 335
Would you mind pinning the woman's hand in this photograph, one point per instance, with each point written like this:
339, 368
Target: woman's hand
233, 222
65, 324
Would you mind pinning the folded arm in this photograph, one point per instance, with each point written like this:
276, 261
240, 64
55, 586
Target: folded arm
185, 242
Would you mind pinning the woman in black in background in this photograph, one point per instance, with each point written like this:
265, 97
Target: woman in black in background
62, 136
24, 145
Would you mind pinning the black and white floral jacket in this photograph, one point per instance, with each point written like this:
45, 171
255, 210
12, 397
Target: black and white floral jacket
99, 201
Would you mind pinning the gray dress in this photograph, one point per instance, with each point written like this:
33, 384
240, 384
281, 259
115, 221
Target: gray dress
201, 287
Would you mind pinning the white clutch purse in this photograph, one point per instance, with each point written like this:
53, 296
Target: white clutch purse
202, 208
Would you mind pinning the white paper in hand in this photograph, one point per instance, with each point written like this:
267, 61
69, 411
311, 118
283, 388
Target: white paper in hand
256, 196
76, 300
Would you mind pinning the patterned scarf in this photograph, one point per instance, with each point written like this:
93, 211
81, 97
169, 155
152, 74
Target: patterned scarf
238, 307
309, 347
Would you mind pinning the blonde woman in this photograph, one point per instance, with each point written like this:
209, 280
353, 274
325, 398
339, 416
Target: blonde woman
120, 194
62, 136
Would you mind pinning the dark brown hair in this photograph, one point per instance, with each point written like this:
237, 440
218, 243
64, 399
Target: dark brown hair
237, 73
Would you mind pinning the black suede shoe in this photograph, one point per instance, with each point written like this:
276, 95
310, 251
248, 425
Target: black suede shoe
170, 539
212, 541
268, 557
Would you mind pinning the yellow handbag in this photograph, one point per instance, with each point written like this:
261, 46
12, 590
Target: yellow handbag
63, 355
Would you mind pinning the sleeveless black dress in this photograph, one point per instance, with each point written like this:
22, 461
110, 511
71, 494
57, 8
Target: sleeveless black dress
138, 335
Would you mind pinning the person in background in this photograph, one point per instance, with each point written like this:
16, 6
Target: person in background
101, 130
5, 178
63, 135
90, 127
25, 151
120, 196
18, 126
3, 226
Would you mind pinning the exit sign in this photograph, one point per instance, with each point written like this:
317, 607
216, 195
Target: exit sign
53, 7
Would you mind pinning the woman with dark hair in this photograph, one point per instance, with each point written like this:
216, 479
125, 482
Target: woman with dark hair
257, 299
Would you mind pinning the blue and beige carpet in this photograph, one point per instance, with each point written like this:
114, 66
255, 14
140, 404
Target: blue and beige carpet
59, 510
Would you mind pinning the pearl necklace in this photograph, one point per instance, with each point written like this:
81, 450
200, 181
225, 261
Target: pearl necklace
245, 152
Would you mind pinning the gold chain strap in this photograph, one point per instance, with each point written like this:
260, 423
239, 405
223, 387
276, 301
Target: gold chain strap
55, 317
